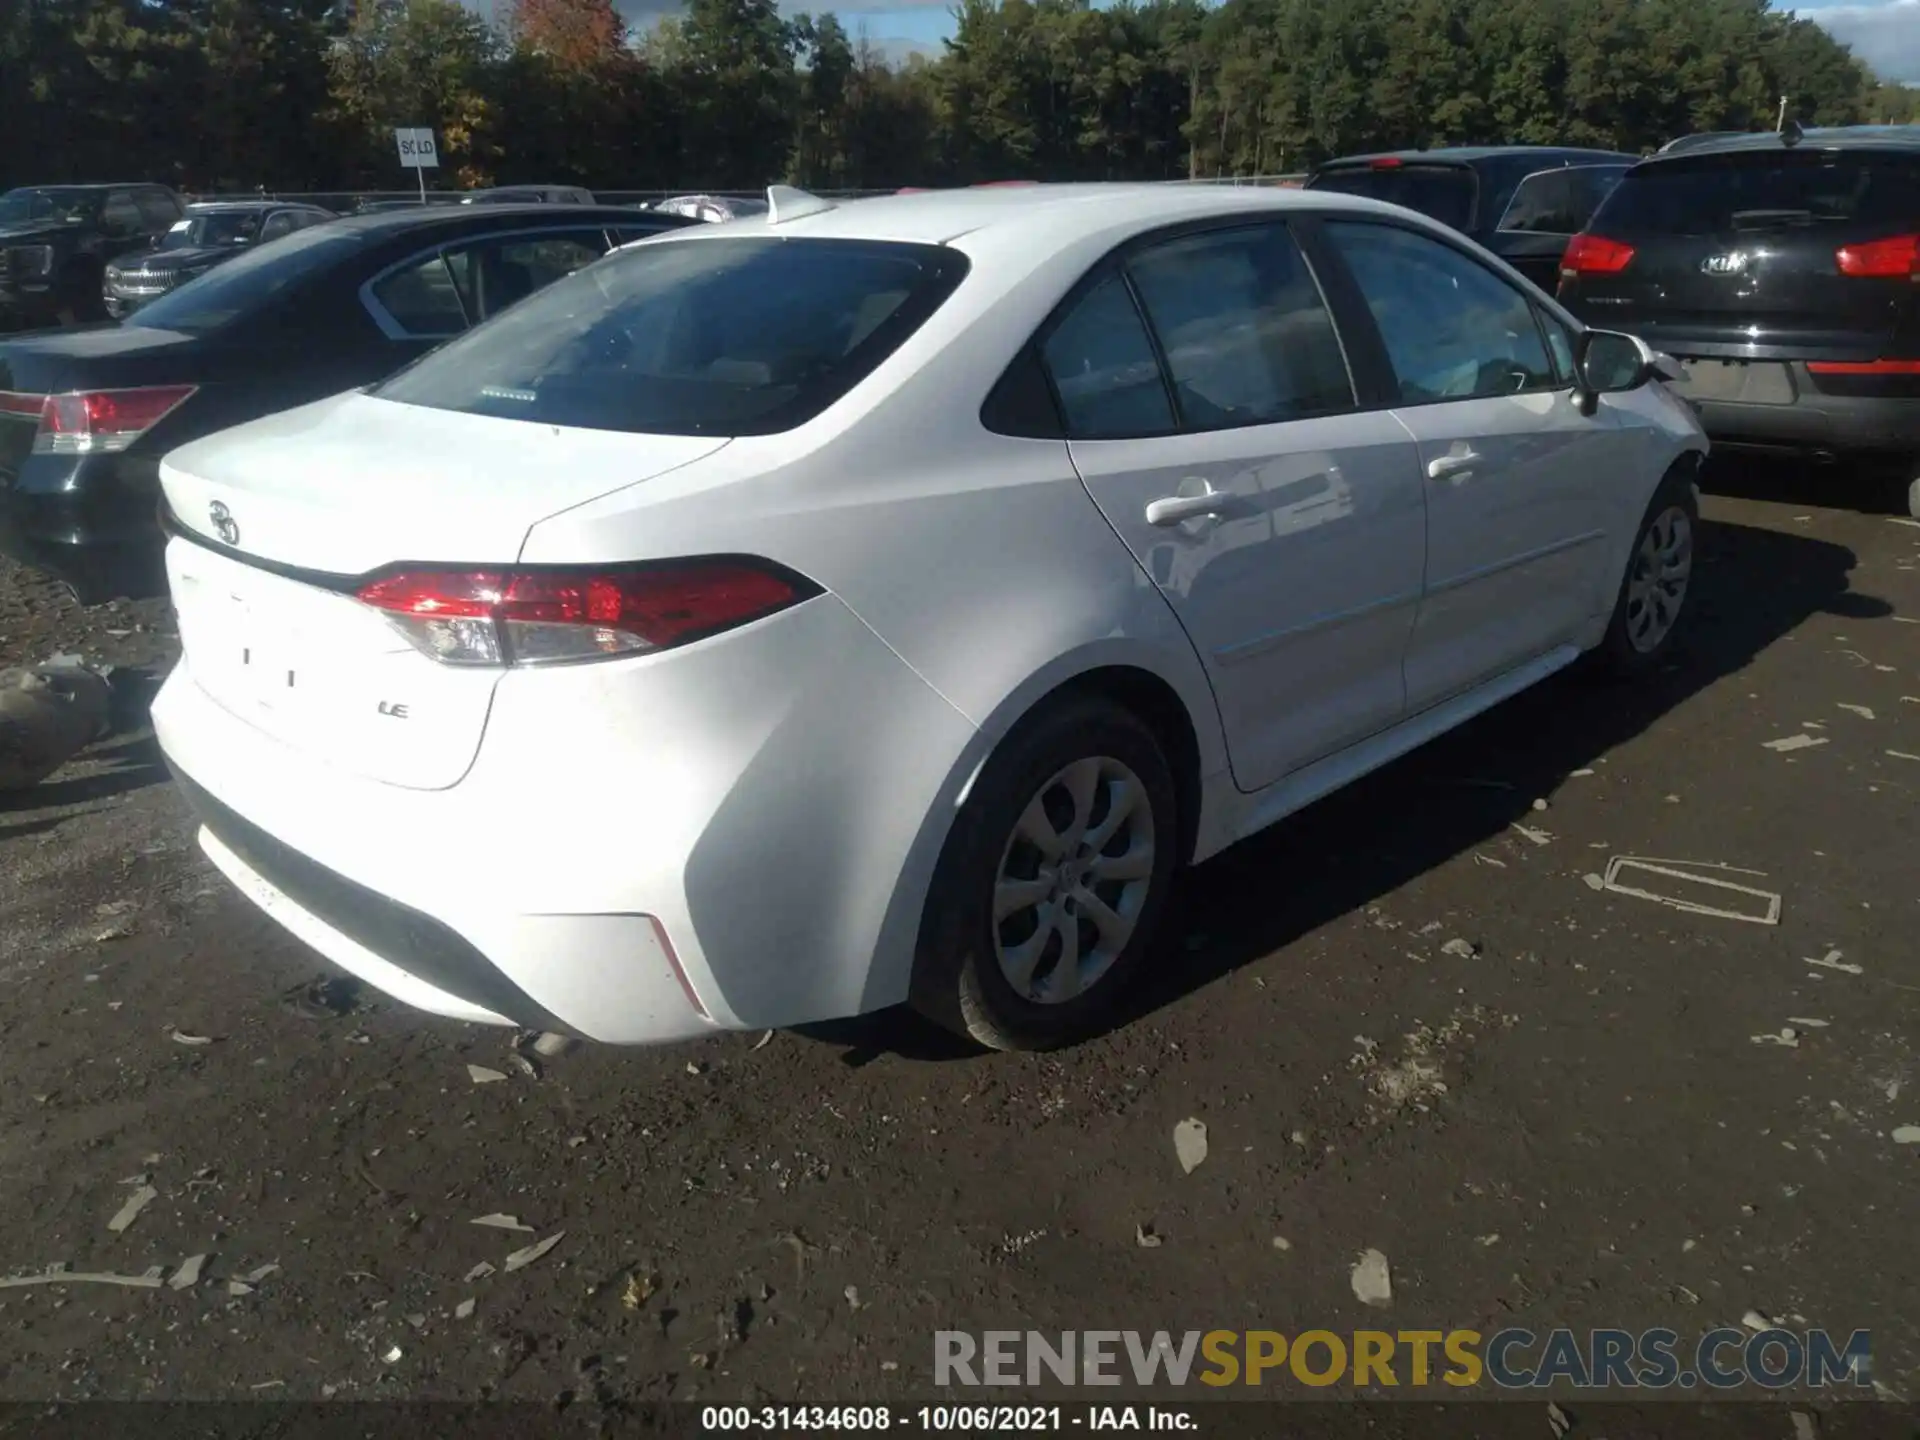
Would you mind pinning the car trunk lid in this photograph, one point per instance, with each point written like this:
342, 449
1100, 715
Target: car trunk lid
108, 358
279, 520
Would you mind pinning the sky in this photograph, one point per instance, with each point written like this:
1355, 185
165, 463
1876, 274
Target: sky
1884, 33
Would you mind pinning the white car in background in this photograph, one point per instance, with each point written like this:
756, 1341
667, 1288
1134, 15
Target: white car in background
883, 602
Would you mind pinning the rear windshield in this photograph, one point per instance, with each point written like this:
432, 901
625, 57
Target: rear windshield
1442, 192
745, 336
1722, 194
246, 284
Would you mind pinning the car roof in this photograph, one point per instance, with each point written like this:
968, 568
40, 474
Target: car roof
1474, 154
96, 185
1046, 212
424, 219
241, 207
1826, 138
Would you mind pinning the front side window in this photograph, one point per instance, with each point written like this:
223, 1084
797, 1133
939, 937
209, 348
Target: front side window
1103, 368
120, 217
1453, 329
747, 336
1248, 340
158, 210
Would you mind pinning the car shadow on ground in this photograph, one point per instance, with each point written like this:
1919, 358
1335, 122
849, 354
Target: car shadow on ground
130, 763
1752, 586
1868, 488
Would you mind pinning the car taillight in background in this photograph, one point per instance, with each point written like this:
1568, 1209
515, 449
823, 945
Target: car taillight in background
93, 422
1895, 259
1595, 255
548, 616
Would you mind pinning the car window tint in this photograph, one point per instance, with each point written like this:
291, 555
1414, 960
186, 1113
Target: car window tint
1542, 204
157, 211
120, 216
1247, 339
1103, 368
732, 337
1444, 192
1453, 329
423, 297
1591, 185
284, 222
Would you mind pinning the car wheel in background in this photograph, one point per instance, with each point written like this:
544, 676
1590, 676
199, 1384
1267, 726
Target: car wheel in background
1659, 579
1053, 882
1913, 496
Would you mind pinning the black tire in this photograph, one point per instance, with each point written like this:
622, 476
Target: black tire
1913, 497
958, 979
1624, 653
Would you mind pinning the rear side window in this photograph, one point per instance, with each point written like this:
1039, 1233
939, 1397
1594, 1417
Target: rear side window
1240, 320
713, 337
1441, 192
1764, 190
1560, 202
1103, 369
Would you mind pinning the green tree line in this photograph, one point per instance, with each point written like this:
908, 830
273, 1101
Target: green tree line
302, 94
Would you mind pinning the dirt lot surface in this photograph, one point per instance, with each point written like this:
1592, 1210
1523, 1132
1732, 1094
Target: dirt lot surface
1595, 1110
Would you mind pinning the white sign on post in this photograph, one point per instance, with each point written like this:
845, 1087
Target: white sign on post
418, 154
416, 149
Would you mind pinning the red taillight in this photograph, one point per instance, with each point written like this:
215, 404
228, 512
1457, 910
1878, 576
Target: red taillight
534, 617
1864, 367
1386, 162
1595, 255
88, 422
1894, 259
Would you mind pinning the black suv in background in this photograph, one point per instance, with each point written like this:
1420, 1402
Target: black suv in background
1522, 202
1783, 271
56, 242
211, 232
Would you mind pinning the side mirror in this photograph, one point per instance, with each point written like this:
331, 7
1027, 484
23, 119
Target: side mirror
1605, 362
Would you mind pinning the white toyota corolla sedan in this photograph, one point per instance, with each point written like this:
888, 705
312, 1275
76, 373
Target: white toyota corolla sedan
883, 602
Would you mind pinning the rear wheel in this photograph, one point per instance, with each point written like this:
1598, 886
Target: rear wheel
1051, 887
1654, 591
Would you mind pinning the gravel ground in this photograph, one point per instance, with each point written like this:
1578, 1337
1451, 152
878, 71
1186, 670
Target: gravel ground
1571, 1118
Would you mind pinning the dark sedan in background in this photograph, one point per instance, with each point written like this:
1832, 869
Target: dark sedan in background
1522, 202
85, 415
209, 234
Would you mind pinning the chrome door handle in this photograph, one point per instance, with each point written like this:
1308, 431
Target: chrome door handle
1172, 509
1441, 466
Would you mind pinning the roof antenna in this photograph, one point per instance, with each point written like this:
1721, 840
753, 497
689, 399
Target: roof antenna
1790, 131
784, 202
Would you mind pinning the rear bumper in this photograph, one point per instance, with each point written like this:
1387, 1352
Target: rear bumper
624, 861
88, 521
1814, 422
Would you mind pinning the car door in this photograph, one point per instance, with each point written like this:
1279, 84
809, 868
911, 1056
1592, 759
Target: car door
1212, 416
1517, 478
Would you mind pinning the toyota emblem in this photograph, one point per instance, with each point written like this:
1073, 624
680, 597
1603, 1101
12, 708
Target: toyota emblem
224, 524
